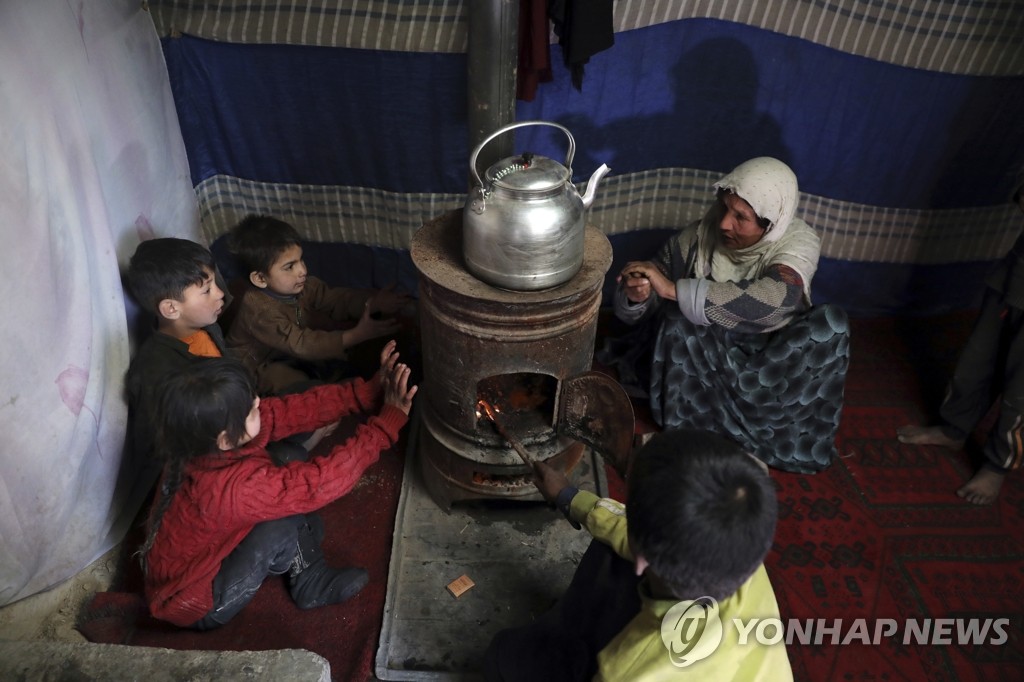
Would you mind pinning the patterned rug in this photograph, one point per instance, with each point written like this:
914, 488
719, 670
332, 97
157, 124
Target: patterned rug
877, 550
881, 535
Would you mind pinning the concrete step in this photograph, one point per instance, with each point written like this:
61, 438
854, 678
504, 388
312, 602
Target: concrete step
42, 661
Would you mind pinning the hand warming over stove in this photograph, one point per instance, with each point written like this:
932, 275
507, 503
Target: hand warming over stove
394, 379
387, 302
549, 481
370, 326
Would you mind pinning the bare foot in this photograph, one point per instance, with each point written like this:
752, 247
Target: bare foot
928, 435
983, 488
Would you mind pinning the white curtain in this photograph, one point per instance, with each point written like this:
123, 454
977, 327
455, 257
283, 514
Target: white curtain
92, 161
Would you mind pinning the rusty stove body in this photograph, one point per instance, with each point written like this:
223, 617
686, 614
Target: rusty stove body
527, 354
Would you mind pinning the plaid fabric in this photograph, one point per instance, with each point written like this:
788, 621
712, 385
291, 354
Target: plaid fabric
322, 213
666, 198
937, 35
898, 117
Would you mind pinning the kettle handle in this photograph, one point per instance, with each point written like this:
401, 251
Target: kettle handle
512, 126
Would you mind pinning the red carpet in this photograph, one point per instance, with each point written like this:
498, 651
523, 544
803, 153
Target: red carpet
880, 536
358, 532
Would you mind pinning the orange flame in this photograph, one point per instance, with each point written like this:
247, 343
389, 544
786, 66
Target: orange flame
485, 409
491, 412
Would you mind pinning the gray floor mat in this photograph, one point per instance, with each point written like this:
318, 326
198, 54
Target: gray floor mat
520, 555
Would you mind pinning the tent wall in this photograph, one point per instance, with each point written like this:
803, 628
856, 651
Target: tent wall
93, 162
900, 119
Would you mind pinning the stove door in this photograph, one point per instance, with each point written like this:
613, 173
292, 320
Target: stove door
594, 409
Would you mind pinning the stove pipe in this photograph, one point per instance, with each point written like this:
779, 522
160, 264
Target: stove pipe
492, 61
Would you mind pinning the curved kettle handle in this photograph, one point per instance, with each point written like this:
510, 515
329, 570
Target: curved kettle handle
513, 126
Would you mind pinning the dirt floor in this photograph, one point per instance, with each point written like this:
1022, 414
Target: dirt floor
51, 615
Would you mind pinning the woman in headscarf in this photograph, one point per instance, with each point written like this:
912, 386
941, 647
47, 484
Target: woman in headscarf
738, 348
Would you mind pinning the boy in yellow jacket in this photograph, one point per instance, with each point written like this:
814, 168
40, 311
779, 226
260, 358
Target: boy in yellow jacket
659, 592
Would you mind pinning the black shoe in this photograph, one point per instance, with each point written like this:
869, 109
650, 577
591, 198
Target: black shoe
311, 581
321, 585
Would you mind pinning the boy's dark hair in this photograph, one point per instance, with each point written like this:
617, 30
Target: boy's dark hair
193, 407
258, 240
701, 511
163, 268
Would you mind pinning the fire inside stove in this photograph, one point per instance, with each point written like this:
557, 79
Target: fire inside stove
520, 406
527, 400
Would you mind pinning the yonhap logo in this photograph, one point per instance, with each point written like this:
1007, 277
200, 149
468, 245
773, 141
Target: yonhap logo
691, 631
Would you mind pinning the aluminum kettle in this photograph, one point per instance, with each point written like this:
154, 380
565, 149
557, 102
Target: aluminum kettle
523, 224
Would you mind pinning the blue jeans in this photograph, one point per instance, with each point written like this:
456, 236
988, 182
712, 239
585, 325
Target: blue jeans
268, 549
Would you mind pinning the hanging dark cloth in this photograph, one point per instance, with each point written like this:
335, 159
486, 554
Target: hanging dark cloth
534, 49
584, 28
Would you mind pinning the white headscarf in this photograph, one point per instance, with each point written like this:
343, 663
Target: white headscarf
770, 187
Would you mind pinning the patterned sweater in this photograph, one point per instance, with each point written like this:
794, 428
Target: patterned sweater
767, 301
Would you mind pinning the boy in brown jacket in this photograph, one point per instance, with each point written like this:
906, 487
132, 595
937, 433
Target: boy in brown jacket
291, 328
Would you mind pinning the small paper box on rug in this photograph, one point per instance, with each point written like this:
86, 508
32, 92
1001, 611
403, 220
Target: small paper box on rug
460, 585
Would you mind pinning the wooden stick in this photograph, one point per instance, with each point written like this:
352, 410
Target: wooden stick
491, 414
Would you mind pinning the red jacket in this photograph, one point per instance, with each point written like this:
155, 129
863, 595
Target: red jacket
225, 494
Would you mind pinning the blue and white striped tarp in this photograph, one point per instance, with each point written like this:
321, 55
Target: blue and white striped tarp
902, 121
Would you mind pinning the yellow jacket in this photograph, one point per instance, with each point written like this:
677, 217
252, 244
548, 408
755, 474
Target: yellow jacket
639, 654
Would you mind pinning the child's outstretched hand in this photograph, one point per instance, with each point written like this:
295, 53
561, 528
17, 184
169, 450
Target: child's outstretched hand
370, 327
395, 379
387, 302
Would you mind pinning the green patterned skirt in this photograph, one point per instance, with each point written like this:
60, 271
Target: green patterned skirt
779, 394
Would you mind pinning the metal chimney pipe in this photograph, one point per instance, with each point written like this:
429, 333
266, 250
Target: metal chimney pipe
492, 64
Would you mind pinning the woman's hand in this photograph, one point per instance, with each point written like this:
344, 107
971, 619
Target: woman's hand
639, 278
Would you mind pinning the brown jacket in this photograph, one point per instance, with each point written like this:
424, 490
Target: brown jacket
267, 329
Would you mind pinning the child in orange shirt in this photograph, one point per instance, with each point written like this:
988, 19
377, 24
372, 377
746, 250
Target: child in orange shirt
174, 280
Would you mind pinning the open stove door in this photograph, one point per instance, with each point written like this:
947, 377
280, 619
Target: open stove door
594, 409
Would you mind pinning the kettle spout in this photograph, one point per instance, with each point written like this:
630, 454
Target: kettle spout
588, 198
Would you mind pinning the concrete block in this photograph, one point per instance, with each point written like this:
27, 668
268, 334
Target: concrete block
40, 661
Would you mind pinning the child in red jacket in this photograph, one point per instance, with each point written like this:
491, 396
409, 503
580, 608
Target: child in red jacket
226, 516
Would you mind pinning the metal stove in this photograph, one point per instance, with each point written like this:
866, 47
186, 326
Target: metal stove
526, 354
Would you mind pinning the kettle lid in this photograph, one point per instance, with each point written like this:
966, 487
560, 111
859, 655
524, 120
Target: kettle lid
528, 172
